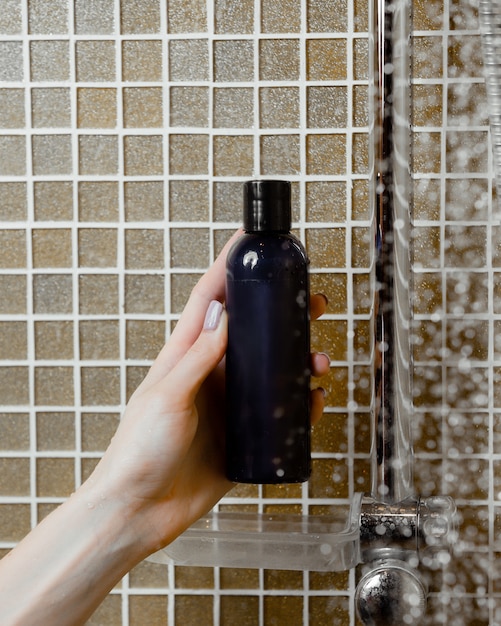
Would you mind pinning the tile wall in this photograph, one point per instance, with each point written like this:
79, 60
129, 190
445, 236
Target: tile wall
126, 130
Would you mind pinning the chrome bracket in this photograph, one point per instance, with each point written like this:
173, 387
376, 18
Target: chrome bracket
395, 539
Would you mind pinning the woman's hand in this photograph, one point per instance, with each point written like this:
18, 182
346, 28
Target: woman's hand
166, 460
162, 471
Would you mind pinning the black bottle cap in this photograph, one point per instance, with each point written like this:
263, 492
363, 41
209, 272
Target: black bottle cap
267, 206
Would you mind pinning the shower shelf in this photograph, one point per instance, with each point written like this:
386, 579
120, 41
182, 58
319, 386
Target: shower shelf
257, 540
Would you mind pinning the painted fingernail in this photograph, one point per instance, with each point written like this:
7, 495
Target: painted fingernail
213, 315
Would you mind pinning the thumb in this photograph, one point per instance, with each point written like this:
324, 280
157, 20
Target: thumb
202, 357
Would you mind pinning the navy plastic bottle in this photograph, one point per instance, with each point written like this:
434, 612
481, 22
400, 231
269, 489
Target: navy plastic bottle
268, 354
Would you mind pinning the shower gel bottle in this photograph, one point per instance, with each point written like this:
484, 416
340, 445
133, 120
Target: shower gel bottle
268, 354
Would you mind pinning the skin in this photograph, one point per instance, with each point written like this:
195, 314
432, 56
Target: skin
162, 471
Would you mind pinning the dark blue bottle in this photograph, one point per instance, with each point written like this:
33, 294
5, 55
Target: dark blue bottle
268, 354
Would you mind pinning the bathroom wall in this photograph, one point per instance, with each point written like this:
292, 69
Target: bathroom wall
126, 130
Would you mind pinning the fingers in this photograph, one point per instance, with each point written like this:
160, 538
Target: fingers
183, 381
210, 287
318, 305
320, 364
317, 405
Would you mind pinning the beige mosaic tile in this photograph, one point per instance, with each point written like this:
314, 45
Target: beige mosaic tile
99, 340
53, 201
330, 435
194, 609
144, 201
326, 247
144, 339
52, 293
233, 60
142, 60
52, 247
14, 431
13, 249
11, 61
188, 60
140, 17
49, 60
331, 18
96, 107
98, 201
14, 206
237, 579
279, 107
98, 294
187, 17
144, 249
47, 19
279, 59
234, 16
189, 200
13, 150
233, 107
55, 477
55, 431
54, 386
12, 109
144, 293
54, 340
189, 154
189, 248
94, 17
14, 477
151, 608
143, 107
11, 18
97, 247
189, 106
16, 287
282, 16
233, 155
100, 386
280, 155
143, 155
327, 107
326, 59
52, 155
276, 607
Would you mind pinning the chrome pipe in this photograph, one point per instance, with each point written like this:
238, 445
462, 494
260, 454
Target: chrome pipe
392, 477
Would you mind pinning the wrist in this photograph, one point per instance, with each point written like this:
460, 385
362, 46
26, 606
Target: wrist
114, 519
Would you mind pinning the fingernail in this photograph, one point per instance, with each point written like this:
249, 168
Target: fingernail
213, 315
326, 356
322, 295
324, 392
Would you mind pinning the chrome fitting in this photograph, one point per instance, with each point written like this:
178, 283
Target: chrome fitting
419, 528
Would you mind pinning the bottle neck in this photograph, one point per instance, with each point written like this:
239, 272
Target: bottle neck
266, 232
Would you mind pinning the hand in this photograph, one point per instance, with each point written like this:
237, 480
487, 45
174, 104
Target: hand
165, 463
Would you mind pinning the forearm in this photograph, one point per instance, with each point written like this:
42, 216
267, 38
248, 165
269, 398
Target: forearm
62, 571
